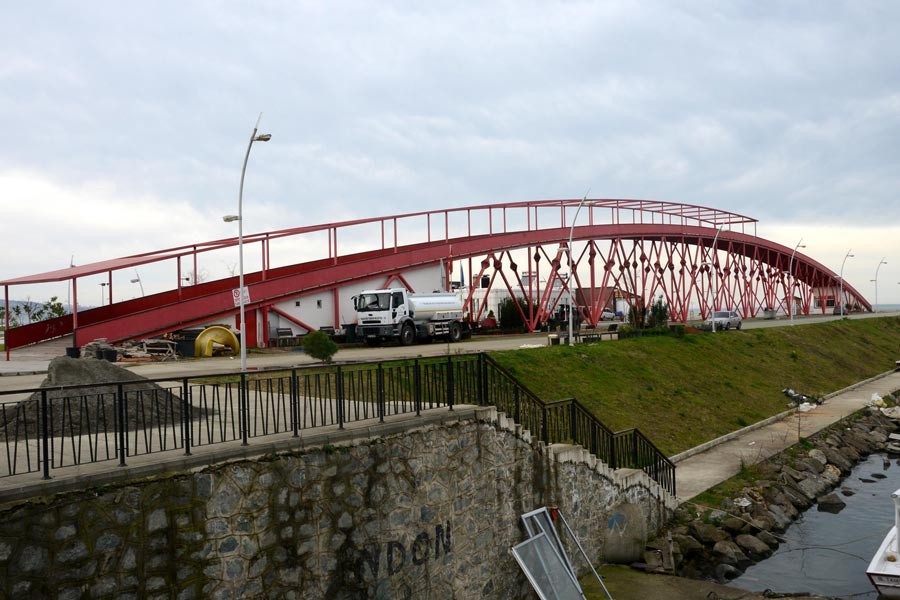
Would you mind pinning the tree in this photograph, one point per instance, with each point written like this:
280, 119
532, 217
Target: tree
637, 316
510, 317
203, 274
319, 345
28, 312
659, 314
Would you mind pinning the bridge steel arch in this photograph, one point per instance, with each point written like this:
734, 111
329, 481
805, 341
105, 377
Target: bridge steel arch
691, 256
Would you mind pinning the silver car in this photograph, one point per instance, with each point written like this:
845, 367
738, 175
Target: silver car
724, 319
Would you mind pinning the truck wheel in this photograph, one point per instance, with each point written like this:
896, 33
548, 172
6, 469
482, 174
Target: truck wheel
407, 334
455, 333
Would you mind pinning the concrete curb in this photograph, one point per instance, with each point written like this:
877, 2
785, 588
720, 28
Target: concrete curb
765, 422
21, 373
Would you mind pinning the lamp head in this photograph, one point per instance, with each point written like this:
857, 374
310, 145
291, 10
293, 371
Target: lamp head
231, 218
135, 280
263, 137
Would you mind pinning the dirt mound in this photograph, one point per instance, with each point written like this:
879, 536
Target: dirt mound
72, 371
82, 400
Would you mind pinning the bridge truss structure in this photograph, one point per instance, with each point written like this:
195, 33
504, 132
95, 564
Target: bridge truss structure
695, 259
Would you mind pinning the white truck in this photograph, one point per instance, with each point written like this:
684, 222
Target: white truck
396, 313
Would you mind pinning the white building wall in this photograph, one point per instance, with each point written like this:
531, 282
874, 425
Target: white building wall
317, 309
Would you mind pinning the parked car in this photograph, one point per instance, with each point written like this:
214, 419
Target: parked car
841, 310
607, 315
724, 319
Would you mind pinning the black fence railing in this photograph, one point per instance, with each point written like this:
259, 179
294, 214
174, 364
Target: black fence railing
50, 428
568, 421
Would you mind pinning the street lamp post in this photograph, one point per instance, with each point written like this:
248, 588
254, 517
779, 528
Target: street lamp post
791, 276
69, 286
137, 279
712, 266
841, 298
262, 137
103, 285
883, 262
572, 268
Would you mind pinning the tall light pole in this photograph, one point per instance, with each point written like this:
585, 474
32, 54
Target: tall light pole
69, 285
137, 279
572, 266
883, 262
791, 277
262, 137
712, 266
103, 285
842, 280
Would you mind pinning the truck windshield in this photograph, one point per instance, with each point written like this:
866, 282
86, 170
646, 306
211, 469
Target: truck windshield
373, 301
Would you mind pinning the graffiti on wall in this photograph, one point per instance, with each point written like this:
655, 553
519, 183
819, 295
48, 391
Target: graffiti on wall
393, 556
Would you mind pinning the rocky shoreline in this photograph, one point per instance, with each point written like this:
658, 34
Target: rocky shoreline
721, 542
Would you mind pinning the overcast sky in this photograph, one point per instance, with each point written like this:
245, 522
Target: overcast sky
125, 124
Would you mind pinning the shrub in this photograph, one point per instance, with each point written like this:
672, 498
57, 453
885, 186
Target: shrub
510, 316
659, 314
637, 316
319, 345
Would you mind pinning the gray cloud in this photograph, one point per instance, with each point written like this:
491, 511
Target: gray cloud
788, 112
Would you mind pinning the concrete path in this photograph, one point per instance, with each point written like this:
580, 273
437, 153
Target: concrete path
707, 465
33, 360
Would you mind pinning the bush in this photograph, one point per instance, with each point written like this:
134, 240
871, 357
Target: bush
319, 345
510, 317
637, 316
659, 314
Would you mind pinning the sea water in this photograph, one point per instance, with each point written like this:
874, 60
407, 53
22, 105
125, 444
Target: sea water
827, 554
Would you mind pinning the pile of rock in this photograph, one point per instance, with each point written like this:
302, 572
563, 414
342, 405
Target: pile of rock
99, 348
721, 543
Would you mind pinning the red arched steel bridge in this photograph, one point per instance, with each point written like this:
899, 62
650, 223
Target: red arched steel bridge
697, 258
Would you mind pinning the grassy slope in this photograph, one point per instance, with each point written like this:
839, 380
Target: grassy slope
681, 392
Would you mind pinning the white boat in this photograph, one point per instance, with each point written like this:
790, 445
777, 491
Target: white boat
884, 570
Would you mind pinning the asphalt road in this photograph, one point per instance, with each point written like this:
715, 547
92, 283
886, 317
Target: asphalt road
32, 362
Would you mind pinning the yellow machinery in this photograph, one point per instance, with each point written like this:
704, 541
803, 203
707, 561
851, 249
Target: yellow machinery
213, 336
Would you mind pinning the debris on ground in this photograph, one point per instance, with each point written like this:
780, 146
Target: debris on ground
798, 399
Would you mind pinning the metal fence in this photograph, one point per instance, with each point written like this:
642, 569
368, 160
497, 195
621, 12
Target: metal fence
51, 428
568, 421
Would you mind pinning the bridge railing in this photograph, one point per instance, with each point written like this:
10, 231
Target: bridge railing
54, 428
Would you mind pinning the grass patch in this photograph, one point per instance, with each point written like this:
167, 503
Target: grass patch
730, 488
681, 392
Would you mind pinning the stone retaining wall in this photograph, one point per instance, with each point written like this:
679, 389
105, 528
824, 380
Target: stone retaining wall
427, 513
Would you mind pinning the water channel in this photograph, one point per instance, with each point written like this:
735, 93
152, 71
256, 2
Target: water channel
826, 553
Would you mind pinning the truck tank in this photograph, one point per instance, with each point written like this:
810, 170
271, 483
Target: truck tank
424, 306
